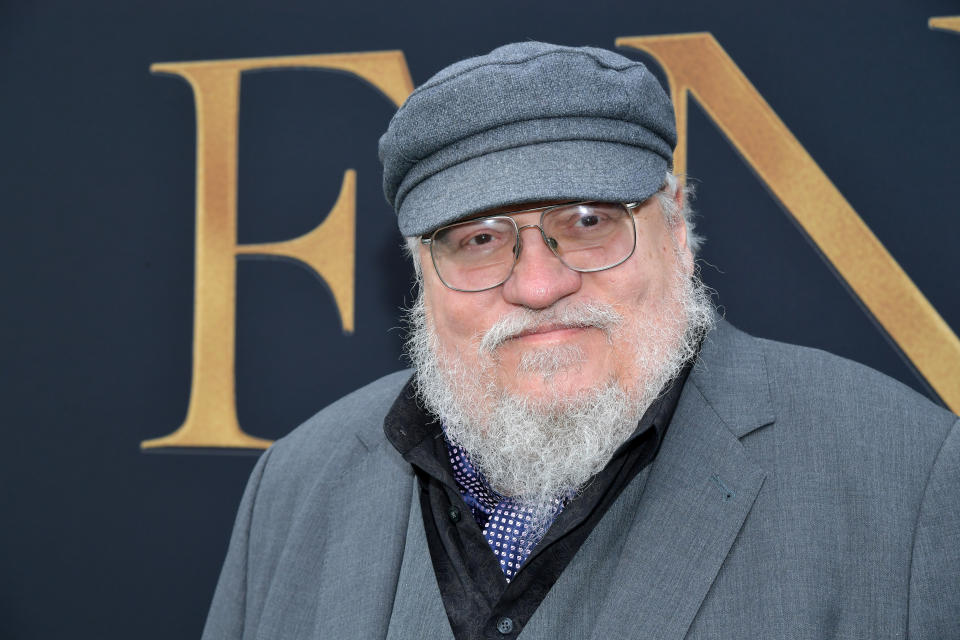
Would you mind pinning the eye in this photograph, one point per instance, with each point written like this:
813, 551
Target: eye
590, 220
584, 220
478, 239
482, 238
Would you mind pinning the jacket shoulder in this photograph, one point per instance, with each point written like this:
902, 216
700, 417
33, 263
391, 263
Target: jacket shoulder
841, 414
817, 379
351, 425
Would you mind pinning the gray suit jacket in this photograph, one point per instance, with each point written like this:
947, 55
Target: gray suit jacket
796, 495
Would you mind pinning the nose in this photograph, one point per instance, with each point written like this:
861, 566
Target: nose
539, 279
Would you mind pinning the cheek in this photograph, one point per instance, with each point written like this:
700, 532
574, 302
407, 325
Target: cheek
630, 287
456, 317
659, 264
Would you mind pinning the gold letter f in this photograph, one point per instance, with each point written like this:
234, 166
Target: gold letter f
328, 249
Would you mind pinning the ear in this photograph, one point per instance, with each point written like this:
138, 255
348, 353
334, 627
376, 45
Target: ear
429, 280
679, 231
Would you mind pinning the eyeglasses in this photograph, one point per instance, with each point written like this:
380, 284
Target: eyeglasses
480, 254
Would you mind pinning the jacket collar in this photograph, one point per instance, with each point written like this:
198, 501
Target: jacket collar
731, 374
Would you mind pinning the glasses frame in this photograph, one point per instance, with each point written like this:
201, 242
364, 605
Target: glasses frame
518, 247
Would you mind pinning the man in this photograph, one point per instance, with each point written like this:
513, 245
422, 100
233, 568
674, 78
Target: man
584, 450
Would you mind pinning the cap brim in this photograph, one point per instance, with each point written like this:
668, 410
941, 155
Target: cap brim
557, 170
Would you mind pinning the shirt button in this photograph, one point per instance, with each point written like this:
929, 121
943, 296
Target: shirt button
504, 625
454, 514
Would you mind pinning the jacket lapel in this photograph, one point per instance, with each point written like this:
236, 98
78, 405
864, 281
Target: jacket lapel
700, 489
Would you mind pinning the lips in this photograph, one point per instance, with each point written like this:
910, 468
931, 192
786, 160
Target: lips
541, 325
547, 328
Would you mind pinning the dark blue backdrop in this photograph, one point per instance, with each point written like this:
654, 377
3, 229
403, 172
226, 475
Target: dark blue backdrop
100, 540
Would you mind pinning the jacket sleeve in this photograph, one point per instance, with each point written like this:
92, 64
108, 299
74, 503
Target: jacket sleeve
228, 612
934, 608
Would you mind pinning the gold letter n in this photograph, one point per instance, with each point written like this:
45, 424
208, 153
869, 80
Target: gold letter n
328, 249
696, 63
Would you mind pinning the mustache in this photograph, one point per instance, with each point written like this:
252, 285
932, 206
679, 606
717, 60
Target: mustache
577, 315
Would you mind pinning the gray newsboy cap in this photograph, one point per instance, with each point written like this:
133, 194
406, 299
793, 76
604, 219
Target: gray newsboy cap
527, 122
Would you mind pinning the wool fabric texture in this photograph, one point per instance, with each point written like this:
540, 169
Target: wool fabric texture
528, 122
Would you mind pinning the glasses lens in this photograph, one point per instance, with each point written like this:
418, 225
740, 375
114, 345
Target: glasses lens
475, 255
591, 236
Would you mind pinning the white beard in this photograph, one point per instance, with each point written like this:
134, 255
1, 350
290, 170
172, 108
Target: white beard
542, 450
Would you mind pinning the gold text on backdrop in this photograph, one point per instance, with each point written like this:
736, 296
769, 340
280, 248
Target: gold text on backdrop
695, 63
945, 23
328, 249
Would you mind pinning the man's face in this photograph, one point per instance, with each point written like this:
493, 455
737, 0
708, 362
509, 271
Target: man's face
551, 359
